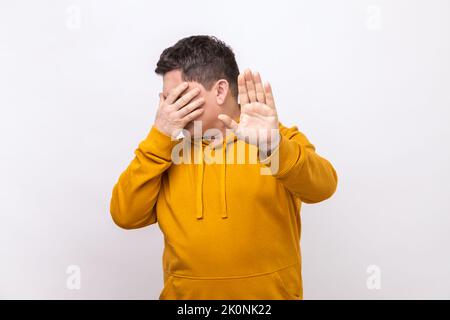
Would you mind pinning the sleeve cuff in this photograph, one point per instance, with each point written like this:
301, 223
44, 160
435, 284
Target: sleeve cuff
159, 144
284, 157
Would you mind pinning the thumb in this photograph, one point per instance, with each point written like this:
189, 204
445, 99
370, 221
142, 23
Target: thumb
229, 123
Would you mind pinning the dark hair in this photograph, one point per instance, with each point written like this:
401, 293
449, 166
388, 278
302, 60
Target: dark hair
204, 59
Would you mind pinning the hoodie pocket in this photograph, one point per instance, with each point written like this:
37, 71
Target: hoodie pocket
290, 281
284, 284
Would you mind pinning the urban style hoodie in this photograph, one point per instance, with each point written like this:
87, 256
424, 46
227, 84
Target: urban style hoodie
231, 230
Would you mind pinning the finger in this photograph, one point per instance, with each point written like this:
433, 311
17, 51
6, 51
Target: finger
229, 123
243, 96
161, 98
186, 98
269, 96
193, 115
190, 107
260, 97
250, 85
175, 93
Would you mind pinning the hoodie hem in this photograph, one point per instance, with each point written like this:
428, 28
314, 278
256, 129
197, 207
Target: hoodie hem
281, 284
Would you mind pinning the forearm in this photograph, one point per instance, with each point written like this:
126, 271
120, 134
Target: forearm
135, 194
302, 171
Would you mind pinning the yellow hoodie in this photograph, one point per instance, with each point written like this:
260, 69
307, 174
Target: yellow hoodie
230, 232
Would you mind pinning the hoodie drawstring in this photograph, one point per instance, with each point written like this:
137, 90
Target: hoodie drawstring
222, 182
200, 185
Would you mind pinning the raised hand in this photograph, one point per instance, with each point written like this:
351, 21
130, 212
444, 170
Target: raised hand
175, 112
258, 123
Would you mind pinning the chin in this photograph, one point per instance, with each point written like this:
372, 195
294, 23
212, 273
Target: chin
190, 128
196, 130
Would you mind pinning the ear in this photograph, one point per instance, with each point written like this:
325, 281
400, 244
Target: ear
221, 90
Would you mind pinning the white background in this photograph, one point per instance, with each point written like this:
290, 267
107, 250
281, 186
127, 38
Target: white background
367, 81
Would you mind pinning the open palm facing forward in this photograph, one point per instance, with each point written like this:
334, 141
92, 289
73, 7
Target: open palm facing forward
258, 122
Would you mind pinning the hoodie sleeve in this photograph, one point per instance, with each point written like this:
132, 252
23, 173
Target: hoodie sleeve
134, 195
300, 169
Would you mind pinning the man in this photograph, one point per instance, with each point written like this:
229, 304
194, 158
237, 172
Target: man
231, 227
